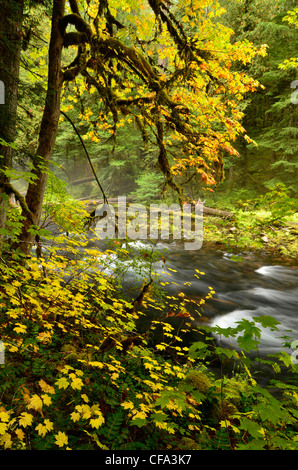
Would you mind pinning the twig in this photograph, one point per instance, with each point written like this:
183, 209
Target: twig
87, 154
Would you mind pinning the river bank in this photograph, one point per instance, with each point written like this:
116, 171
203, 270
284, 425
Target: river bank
279, 242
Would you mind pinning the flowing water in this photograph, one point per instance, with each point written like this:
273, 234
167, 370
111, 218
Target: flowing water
253, 287
256, 285
243, 289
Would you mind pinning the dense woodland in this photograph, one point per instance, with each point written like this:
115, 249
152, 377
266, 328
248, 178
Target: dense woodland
161, 102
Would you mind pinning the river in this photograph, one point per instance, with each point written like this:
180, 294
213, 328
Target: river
250, 286
253, 285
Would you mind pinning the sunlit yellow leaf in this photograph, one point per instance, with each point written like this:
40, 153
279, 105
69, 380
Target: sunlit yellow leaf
6, 441
62, 383
20, 434
61, 439
44, 428
127, 405
75, 416
25, 419
35, 403
20, 328
46, 399
97, 422
85, 398
77, 383
139, 415
45, 387
3, 428
4, 416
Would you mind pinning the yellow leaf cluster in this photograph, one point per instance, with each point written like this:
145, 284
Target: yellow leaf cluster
44, 428
25, 419
61, 439
86, 412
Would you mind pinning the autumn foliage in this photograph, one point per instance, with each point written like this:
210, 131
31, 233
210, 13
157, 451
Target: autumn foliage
78, 373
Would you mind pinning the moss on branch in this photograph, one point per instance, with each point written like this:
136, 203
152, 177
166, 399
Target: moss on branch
76, 20
8, 189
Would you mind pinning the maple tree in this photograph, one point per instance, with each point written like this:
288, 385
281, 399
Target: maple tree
169, 67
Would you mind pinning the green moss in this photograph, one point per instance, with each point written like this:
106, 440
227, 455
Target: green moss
188, 444
199, 380
223, 409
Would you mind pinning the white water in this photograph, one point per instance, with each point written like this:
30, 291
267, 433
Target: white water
244, 290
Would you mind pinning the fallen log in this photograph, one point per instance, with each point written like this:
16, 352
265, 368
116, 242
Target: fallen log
81, 181
112, 200
206, 210
217, 212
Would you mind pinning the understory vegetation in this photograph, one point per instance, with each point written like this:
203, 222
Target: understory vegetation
265, 224
78, 374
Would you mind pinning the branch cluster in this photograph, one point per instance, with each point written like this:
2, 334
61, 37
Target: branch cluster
98, 50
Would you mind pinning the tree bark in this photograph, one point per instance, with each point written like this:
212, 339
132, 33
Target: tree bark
48, 128
11, 20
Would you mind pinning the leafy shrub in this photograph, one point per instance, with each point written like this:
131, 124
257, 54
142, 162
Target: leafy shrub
79, 375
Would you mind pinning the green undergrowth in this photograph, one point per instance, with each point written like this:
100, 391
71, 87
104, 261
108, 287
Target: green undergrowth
266, 224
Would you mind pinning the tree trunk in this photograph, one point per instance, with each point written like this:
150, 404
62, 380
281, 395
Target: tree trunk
11, 20
48, 128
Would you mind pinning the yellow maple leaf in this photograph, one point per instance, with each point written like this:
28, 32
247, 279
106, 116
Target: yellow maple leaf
46, 387
20, 328
25, 419
20, 434
61, 439
6, 441
44, 428
140, 415
97, 422
62, 382
86, 411
44, 337
4, 416
77, 383
127, 405
96, 364
46, 399
41, 429
3, 428
75, 416
35, 403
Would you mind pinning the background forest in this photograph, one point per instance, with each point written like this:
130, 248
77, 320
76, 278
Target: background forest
270, 116
160, 102
128, 166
